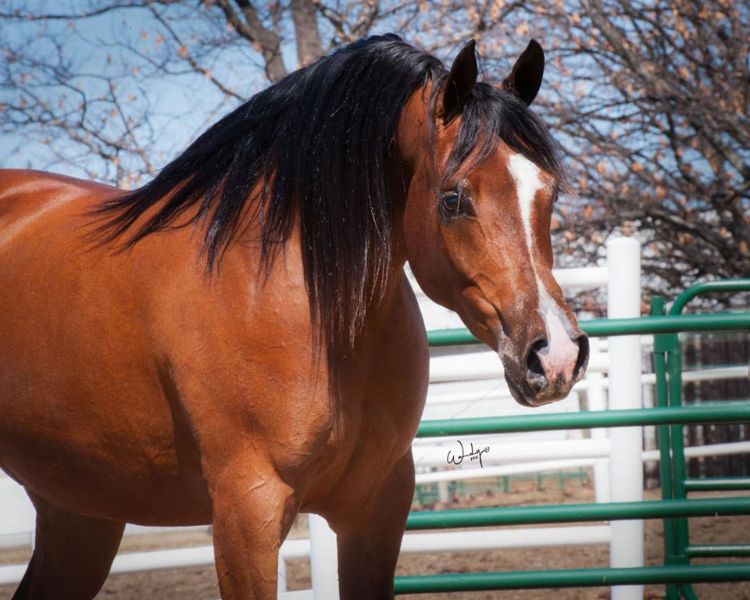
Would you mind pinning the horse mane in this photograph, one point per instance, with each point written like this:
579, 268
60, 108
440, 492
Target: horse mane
317, 147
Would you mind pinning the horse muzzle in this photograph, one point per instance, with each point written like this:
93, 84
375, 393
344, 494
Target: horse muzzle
548, 367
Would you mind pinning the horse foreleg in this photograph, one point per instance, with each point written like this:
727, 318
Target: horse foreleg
252, 514
72, 554
368, 548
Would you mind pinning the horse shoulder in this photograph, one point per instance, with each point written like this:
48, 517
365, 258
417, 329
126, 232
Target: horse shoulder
380, 407
242, 355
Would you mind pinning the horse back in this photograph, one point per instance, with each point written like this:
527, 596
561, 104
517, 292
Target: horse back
25, 193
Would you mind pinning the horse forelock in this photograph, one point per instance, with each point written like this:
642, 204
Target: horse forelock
491, 116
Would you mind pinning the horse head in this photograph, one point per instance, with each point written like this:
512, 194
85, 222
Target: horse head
476, 221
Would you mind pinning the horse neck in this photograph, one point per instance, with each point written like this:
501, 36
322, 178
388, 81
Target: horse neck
413, 137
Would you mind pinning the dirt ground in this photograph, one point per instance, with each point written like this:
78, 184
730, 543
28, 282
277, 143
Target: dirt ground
200, 583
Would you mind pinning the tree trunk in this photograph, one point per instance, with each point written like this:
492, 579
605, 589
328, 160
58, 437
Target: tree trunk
306, 31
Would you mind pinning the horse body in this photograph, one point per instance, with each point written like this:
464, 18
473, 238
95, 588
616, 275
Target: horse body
157, 345
135, 387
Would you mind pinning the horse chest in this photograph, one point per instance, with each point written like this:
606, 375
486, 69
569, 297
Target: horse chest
377, 420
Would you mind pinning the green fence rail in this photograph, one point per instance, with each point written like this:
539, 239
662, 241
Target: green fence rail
718, 550
670, 416
717, 484
732, 286
474, 582
575, 513
616, 327
706, 413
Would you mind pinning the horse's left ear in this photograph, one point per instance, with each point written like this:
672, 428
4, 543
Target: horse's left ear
460, 82
526, 75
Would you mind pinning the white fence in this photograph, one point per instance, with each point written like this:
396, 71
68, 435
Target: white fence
471, 385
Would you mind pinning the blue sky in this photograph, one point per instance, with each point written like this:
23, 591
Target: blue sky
179, 105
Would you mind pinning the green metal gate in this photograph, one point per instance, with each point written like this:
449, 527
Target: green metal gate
675, 484
675, 507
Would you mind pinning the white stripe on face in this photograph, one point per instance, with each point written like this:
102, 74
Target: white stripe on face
526, 177
561, 350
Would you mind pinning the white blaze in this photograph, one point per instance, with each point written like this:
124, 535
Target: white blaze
561, 350
526, 176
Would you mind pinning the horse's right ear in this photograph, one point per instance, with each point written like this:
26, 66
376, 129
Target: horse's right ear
459, 83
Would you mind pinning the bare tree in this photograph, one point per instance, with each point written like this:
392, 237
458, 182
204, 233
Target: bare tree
86, 88
652, 103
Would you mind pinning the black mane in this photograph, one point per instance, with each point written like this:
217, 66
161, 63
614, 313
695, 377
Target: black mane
321, 143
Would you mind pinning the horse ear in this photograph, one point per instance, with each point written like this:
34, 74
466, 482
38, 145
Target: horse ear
526, 75
460, 82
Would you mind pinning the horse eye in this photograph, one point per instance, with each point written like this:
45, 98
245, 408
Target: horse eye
451, 203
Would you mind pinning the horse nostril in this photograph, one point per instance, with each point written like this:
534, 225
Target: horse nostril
535, 370
583, 357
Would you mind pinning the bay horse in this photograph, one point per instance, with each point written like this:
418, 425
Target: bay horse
236, 341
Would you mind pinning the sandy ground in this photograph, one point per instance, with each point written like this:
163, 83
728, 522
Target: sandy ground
200, 583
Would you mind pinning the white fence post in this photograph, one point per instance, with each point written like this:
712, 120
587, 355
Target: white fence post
626, 466
324, 566
281, 577
597, 401
443, 495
